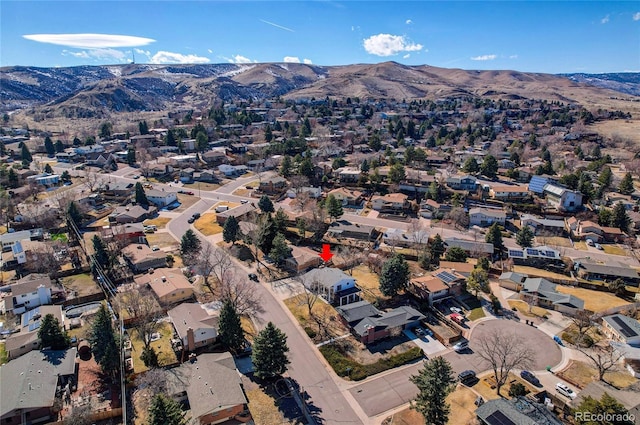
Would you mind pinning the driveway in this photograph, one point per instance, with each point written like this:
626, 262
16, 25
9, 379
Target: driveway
429, 344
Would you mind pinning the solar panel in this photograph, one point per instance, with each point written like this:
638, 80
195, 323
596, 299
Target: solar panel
28, 316
35, 325
446, 277
551, 254
515, 253
624, 328
498, 418
531, 251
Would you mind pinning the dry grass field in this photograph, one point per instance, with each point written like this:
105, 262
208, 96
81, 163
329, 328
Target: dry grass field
534, 272
615, 250
325, 314
159, 222
207, 224
581, 374
163, 240
593, 300
368, 282
526, 310
554, 241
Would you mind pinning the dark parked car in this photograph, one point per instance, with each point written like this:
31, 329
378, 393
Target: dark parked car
467, 376
253, 277
191, 220
530, 377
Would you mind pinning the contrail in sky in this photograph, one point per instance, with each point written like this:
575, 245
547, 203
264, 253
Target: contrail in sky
276, 25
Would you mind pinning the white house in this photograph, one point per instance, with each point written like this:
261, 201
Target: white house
333, 284
27, 293
8, 239
561, 198
161, 198
486, 217
314, 192
391, 201
44, 179
619, 327
84, 150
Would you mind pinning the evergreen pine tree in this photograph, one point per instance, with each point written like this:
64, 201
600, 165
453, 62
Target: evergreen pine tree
436, 249
48, 169
435, 381
49, 147
626, 185
230, 328
100, 251
230, 230
74, 214
620, 218
280, 249
51, 334
269, 354
265, 204
334, 207
25, 155
103, 342
141, 196
165, 411
189, 246
394, 275
494, 236
524, 237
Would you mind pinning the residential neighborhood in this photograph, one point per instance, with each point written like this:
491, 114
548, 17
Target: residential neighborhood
161, 262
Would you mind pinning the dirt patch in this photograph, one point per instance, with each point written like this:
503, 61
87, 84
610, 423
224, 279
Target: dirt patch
186, 201
554, 241
527, 310
81, 284
534, 272
323, 325
162, 240
593, 300
368, 354
581, 245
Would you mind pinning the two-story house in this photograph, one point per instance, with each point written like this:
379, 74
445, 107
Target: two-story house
484, 217
347, 197
27, 293
274, 185
465, 182
195, 327
332, 284
619, 327
508, 193
161, 198
391, 202
562, 198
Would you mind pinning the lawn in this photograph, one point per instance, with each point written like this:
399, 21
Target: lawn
593, 300
159, 222
487, 390
476, 313
534, 272
166, 355
162, 240
368, 282
554, 241
326, 315
3, 230
186, 201
462, 406
224, 204
581, 374
614, 250
525, 309
206, 187
264, 409
207, 224
581, 245
82, 284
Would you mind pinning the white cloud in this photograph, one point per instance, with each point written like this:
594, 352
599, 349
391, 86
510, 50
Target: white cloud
239, 59
209, 50
90, 41
513, 57
636, 16
389, 45
291, 59
307, 61
484, 58
163, 57
99, 54
604, 20
408, 22
407, 56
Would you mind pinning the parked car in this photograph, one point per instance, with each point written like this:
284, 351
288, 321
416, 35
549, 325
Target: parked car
565, 391
530, 377
137, 176
590, 242
467, 376
418, 331
461, 346
253, 277
456, 310
196, 215
598, 246
191, 220
244, 201
557, 339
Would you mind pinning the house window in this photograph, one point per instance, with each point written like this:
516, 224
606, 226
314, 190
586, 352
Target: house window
339, 287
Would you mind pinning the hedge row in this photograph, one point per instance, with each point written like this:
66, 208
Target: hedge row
345, 366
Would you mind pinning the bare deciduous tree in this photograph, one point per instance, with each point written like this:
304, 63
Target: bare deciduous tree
92, 180
459, 217
504, 352
603, 357
145, 311
418, 234
240, 292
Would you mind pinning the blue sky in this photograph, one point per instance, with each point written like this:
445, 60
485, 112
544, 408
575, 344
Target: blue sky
539, 36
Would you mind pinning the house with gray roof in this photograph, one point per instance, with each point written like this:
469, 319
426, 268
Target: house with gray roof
484, 217
369, 324
512, 280
345, 229
194, 326
619, 327
589, 270
542, 225
539, 291
517, 411
29, 292
140, 258
332, 284
131, 214
472, 248
31, 385
562, 198
628, 397
27, 339
211, 384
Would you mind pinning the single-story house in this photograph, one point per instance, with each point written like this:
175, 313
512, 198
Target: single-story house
240, 212
211, 384
32, 384
619, 327
473, 248
170, 286
518, 410
508, 193
194, 326
302, 259
142, 258
346, 229
537, 254
541, 292
332, 284
512, 280
464, 269
45, 179
608, 273
541, 226
369, 324
161, 198
486, 217
347, 197
391, 202
132, 214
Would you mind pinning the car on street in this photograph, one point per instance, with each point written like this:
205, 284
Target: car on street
467, 376
196, 215
191, 220
155, 248
137, 176
557, 339
598, 246
253, 277
565, 390
244, 201
185, 192
461, 346
530, 377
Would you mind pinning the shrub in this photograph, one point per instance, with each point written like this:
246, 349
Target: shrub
311, 333
517, 389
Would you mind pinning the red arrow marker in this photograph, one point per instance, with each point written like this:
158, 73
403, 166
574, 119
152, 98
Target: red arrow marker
326, 252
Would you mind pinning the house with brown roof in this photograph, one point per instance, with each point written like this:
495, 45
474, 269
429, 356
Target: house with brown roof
273, 186
211, 384
195, 327
508, 193
170, 286
132, 214
240, 212
141, 258
347, 197
440, 284
301, 259
392, 202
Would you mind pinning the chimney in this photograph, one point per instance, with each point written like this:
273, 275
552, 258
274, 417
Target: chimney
191, 340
